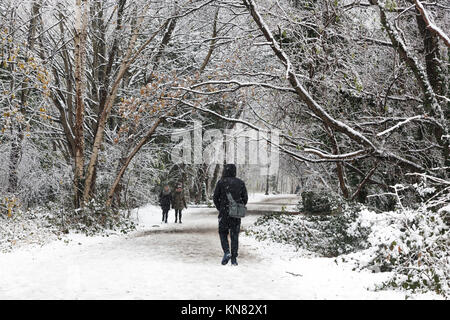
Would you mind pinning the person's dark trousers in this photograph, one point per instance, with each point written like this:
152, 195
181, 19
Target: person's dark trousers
232, 226
165, 213
177, 215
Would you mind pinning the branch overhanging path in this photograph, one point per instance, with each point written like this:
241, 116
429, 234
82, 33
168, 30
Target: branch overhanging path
370, 147
298, 87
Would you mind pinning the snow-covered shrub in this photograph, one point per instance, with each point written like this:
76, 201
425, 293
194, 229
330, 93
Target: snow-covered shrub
95, 218
42, 224
326, 235
412, 244
320, 202
25, 228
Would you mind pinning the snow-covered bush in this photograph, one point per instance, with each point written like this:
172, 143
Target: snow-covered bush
25, 228
42, 224
412, 244
326, 235
320, 202
95, 218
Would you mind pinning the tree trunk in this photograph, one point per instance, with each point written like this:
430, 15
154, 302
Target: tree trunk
129, 58
16, 146
435, 75
127, 161
80, 46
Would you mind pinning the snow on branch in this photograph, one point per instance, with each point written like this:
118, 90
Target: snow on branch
237, 85
435, 179
345, 156
418, 71
325, 156
303, 94
399, 125
430, 25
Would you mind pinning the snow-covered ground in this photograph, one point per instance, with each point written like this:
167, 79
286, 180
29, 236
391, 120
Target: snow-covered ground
180, 261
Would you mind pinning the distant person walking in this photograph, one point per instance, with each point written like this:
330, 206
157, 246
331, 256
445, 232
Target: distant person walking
165, 200
178, 203
229, 225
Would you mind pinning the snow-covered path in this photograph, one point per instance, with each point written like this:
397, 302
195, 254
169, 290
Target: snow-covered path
176, 261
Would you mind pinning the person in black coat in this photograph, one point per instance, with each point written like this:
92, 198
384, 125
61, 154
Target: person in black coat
165, 201
228, 225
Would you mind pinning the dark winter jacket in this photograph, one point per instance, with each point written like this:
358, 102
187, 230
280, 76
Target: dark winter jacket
165, 199
179, 202
229, 183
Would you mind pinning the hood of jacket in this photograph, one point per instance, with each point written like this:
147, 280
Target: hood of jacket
229, 170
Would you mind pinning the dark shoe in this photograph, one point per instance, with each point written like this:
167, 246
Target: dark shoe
176, 221
226, 258
234, 262
180, 221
